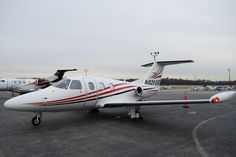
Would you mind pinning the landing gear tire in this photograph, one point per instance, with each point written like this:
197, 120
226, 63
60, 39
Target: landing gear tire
134, 113
36, 120
137, 115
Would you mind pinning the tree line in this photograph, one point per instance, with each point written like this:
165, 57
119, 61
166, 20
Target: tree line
174, 81
200, 82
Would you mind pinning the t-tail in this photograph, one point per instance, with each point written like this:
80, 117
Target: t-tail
154, 75
59, 75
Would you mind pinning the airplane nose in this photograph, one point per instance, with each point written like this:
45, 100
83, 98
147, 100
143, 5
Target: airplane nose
11, 104
23, 102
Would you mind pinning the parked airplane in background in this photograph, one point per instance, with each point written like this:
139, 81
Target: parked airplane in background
94, 93
23, 85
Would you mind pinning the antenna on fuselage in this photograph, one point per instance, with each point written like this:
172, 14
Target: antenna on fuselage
154, 55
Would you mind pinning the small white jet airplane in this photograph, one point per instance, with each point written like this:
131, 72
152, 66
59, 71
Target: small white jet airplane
93, 93
25, 85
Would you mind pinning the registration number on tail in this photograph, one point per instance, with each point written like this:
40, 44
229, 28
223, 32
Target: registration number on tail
153, 82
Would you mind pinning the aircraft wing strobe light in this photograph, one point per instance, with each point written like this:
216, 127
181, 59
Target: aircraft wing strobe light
215, 100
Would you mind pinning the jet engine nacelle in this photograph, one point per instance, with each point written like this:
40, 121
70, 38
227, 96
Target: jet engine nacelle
139, 91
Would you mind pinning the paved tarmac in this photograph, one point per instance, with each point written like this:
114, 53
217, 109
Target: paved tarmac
200, 131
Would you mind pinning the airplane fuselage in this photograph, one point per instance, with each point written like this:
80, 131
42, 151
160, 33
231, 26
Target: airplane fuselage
15, 84
24, 85
82, 93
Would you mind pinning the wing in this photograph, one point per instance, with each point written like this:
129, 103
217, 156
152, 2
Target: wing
150, 103
221, 97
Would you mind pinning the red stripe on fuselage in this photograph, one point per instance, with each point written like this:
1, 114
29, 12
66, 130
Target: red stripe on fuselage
97, 96
81, 97
156, 74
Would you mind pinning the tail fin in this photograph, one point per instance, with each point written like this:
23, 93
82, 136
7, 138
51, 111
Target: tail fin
154, 75
59, 75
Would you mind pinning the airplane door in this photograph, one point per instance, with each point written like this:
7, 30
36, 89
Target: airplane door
91, 92
77, 88
3, 84
10, 84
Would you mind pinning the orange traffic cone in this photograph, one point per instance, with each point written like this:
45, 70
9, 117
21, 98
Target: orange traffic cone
185, 98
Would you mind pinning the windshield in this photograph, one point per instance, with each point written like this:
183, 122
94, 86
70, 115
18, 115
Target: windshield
63, 84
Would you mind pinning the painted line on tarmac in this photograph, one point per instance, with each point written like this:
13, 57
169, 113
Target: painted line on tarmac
199, 147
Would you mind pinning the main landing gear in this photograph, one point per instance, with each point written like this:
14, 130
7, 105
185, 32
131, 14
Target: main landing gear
36, 119
134, 113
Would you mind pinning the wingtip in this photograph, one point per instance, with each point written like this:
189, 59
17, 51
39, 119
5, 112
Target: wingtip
222, 97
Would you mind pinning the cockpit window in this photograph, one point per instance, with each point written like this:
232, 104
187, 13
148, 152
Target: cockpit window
2, 80
75, 84
63, 84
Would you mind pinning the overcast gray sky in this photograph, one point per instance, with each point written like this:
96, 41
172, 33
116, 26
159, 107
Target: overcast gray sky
113, 38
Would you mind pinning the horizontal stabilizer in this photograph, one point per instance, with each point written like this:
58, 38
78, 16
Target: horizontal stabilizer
164, 63
64, 70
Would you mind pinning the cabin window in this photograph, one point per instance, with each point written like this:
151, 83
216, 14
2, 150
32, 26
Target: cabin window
63, 84
111, 86
24, 82
102, 85
91, 86
19, 82
15, 82
75, 84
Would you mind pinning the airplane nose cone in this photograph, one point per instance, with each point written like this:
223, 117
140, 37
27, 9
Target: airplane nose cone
11, 104
24, 102
17, 104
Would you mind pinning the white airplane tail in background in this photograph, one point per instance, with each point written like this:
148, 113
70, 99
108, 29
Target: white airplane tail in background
154, 75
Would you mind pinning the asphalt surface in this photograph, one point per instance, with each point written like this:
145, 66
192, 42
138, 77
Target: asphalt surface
202, 130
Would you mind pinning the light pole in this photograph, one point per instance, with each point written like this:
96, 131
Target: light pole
229, 75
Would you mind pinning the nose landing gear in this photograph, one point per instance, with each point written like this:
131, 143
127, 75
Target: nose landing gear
36, 119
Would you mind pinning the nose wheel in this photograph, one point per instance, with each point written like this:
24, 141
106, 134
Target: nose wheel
36, 119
